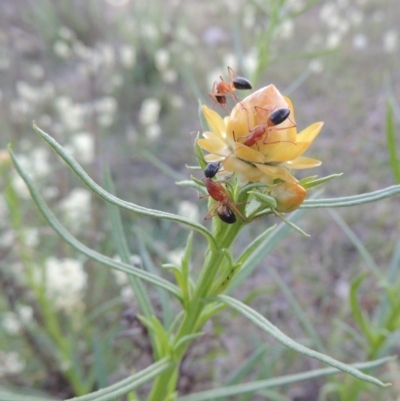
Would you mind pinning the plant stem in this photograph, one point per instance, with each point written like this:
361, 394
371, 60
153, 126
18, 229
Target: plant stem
165, 384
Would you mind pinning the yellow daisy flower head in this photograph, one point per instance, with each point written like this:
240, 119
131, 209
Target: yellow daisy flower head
259, 140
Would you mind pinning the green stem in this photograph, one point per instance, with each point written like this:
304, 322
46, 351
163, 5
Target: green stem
166, 382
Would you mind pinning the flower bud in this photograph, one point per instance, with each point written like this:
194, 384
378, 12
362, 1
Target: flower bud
289, 196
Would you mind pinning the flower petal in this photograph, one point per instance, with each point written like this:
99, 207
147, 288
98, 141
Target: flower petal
248, 154
310, 133
217, 147
276, 172
302, 163
214, 120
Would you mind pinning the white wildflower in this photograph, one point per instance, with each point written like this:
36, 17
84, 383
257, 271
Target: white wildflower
31, 237
77, 207
83, 147
25, 313
169, 76
286, 29
316, 66
333, 40
149, 111
127, 56
390, 41
360, 41
153, 132
175, 257
61, 49
19, 186
127, 293
66, 33
65, 283
11, 363
161, 59
11, 323
188, 210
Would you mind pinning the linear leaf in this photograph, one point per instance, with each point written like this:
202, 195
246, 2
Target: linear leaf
67, 237
278, 381
103, 194
123, 387
122, 248
352, 200
266, 325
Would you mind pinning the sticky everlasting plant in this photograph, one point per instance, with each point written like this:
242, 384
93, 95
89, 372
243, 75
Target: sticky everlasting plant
247, 174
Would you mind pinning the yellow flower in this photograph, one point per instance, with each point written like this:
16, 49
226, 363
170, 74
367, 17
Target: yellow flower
280, 148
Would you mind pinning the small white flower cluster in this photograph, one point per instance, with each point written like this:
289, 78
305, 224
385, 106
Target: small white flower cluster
77, 208
73, 114
36, 162
65, 281
12, 322
81, 146
149, 115
11, 363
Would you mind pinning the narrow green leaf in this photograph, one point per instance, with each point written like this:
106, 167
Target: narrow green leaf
99, 361
316, 182
67, 237
391, 142
256, 244
8, 395
299, 313
103, 194
352, 200
291, 224
186, 257
391, 275
266, 325
262, 246
122, 248
148, 264
167, 170
248, 365
123, 387
362, 321
189, 337
362, 250
252, 387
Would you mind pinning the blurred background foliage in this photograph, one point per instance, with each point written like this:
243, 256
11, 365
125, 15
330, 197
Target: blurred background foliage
117, 82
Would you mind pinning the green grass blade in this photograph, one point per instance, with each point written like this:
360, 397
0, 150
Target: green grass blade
267, 326
121, 246
391, 277
300, 314
162, 295
278, 381
391, 142
106, 196
67, 237
362, 250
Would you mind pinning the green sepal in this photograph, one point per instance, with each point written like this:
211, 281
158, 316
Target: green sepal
308, 184
265, 199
